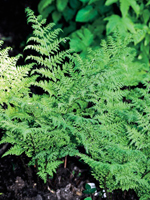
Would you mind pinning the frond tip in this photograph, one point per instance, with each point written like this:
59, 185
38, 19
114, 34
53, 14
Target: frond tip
46, 44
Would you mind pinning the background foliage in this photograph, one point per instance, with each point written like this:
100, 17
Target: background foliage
88, 21
134, 17
81, 20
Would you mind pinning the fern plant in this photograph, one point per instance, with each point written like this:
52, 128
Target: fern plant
42, 125
110, 75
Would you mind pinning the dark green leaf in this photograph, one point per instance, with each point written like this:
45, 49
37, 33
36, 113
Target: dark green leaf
56, 16
93, 190
86, 14
74, 4
68, 13
87, 186
86, 192
61, 4
89, 191
146, 15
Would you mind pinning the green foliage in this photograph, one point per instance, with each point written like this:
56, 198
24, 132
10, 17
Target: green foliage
89, 189
98, 17
134, 18
81, 16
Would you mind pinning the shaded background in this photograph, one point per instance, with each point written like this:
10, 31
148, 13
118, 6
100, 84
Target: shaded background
13, 25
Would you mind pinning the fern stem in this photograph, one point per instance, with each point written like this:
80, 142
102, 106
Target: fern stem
65, 163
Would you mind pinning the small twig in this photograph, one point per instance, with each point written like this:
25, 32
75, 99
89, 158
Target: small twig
65, 163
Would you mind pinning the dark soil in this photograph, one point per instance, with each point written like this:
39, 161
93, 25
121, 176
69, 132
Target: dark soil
17, 180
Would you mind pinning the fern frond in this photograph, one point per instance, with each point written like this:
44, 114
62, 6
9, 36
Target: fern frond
15, 150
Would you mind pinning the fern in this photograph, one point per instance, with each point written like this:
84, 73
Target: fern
117, 148
94, 103
12, 78
38, 124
